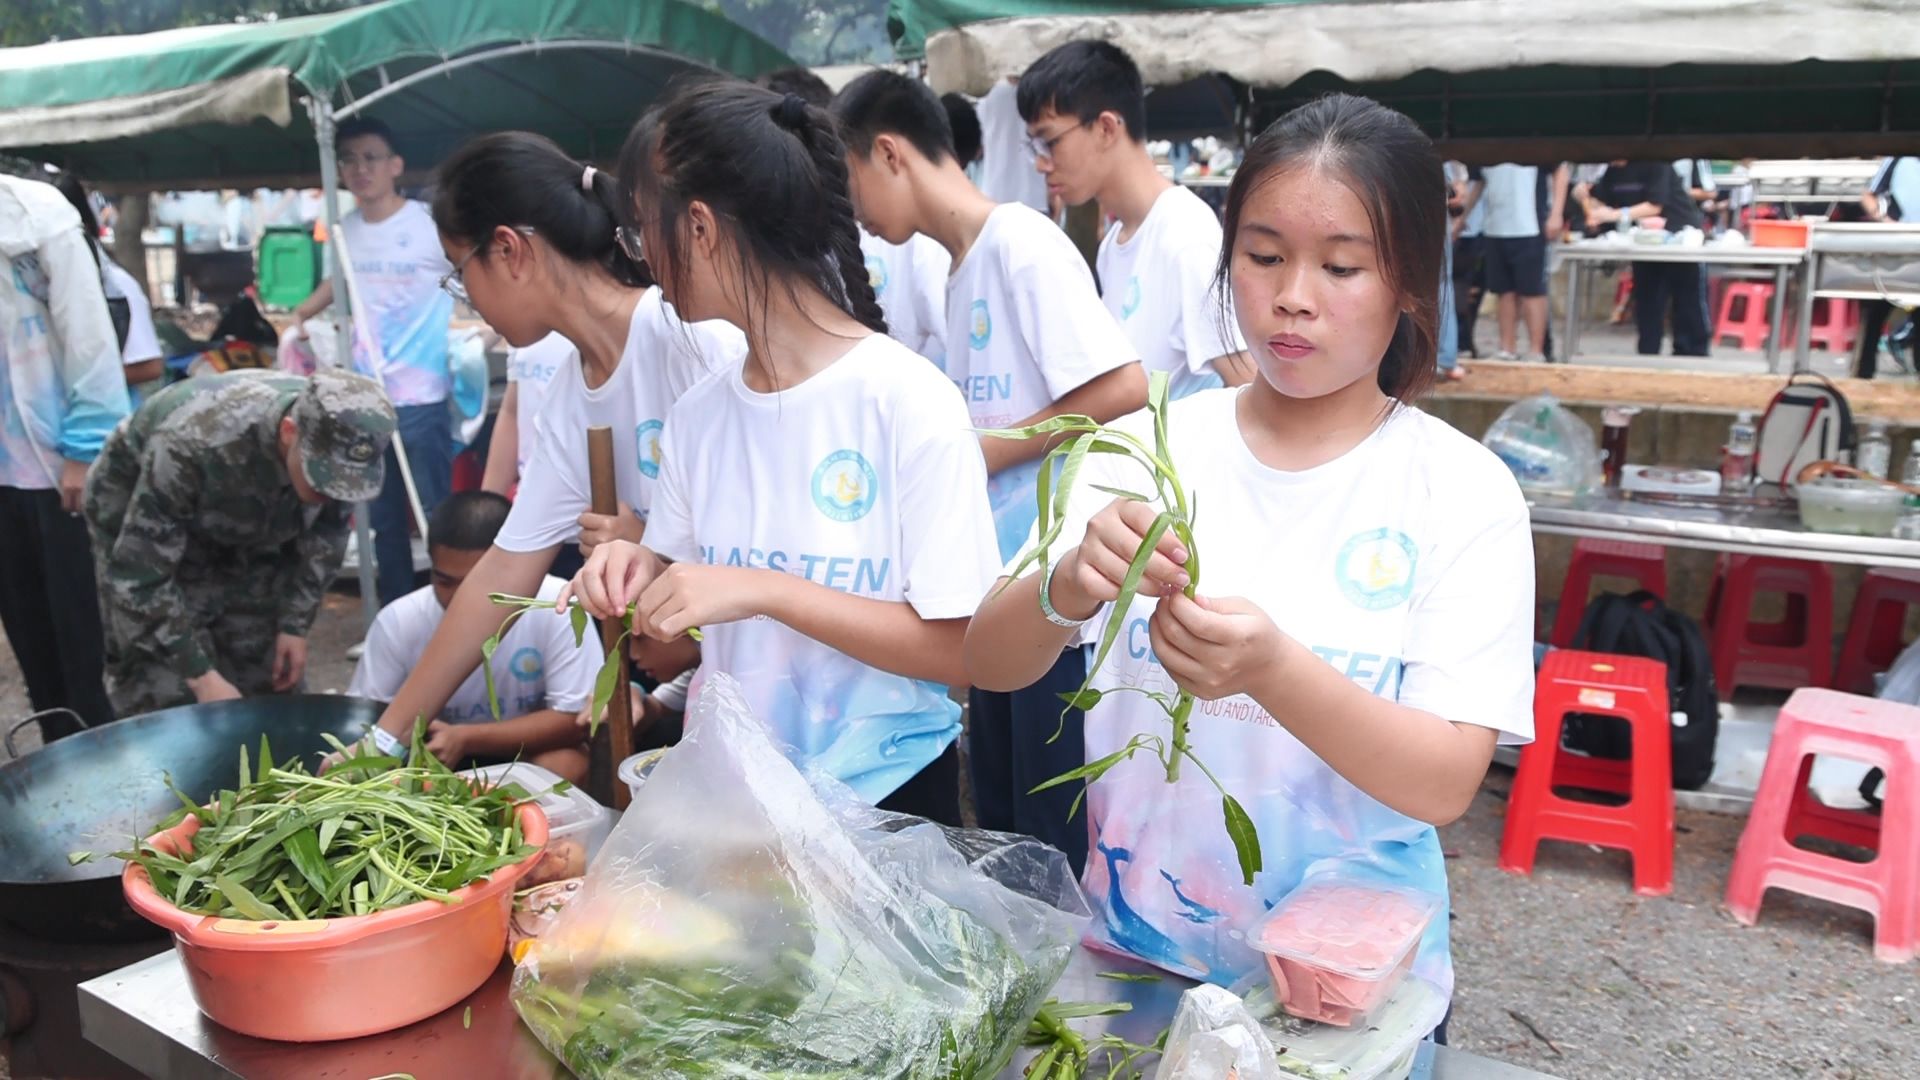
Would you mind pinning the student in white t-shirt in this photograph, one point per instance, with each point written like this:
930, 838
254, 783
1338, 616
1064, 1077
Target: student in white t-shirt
529, 372
400, 335
910, 281
139, 341
1027, 339
532, 237
1361, 639
822, 513
540, 677
1086, 112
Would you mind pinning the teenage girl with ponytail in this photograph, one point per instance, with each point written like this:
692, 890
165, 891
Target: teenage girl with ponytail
532, 237
821, 513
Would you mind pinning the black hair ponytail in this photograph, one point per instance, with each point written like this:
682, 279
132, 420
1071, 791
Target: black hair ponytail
516, 178
809, 124
773, 169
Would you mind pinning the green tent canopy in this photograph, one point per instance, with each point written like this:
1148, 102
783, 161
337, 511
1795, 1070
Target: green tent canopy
228, 106
1496, 79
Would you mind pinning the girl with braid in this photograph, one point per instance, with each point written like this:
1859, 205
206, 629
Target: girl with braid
821, 513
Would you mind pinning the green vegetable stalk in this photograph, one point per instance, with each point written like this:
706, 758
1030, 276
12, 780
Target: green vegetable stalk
610, 668
370, 835
1176, 512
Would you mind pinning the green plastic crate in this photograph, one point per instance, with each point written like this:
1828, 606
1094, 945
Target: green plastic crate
289, 268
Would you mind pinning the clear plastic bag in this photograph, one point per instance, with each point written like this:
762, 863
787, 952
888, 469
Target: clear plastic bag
745, 921
1546, 445
1214, 1037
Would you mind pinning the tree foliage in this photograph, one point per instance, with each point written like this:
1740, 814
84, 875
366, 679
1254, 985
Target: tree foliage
31, 22
816, 31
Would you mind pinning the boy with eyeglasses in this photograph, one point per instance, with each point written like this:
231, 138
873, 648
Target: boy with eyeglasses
404, 285
1085, 107
1027, 339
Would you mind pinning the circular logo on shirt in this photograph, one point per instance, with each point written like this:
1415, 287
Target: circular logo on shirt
647, 436
1131, 302
979, 325
877, 274
845, 486
527, 665
1375, 568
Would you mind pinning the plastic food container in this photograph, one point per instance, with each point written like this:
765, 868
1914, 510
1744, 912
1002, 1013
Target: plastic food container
1383, 1049
634, 771
322, 979
534, 911
1788, 234
576, 824
1338, 946
1856, 507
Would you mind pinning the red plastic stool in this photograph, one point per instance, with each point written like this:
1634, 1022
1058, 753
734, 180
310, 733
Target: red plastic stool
1635, 690
1644, 564
1835, 325
1745, 314
1875, 633
1793, 653
1863, 729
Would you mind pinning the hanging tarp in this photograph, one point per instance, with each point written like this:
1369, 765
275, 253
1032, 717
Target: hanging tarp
1748, 77
221, 105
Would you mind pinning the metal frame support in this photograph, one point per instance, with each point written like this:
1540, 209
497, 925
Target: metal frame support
321, 112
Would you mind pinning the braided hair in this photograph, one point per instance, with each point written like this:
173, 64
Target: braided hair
773, 169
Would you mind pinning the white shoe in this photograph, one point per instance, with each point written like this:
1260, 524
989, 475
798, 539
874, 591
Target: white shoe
356, 650
1505, 356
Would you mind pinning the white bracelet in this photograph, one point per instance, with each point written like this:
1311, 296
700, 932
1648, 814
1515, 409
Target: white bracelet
386, 742
1046, 602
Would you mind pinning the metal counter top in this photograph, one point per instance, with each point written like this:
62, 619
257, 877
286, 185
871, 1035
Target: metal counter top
144, 1015
1713, 527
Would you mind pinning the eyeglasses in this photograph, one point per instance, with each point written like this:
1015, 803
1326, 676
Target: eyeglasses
454, 284
630, 243
1041, 147
353, 161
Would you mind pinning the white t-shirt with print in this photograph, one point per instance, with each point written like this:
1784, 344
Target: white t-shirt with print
910, 281
143, 341
532, 369
1025, 328
1007, 174
664, 357
397, 267
866, 479
1159, 285
537, 665
1406, 564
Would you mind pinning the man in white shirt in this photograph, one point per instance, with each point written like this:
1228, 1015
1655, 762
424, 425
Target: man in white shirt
1027, 339
540, 677
1006, 168
1525, 210
400, 338
1086, 112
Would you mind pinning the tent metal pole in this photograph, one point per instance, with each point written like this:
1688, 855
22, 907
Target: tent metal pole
321, 111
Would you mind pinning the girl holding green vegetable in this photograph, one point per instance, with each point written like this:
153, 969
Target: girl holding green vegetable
533, 238
822, 512
1360, 637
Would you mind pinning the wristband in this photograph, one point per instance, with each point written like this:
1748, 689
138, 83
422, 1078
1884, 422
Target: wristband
386, 742
1046, 602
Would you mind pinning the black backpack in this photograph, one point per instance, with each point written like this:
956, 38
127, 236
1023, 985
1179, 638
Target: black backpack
1641, 625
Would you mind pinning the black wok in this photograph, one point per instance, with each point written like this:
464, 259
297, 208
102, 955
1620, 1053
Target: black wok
97, 790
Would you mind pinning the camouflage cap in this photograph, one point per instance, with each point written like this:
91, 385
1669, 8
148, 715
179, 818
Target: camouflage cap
345, 423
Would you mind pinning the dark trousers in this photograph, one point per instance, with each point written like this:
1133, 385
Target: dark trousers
427, 432
933, 792
1873, 323
1469, 288
50, 605
1660, 288
1009, 756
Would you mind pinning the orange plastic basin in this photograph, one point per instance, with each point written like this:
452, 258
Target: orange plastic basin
1787, 234
339, 978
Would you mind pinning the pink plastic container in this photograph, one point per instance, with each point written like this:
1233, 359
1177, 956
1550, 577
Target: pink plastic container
322, 979
1338, 946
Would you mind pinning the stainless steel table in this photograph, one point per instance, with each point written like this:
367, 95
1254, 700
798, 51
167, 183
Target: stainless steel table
1858, 261
144, 1015
1748, 531
1782, 261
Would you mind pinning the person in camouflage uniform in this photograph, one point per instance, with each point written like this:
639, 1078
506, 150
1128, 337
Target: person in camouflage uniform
219, 514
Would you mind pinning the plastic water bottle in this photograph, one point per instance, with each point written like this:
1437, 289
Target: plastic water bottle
1874, 455
1908, 527
1736, 458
